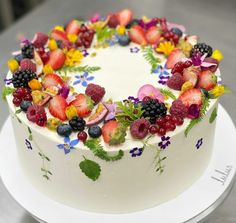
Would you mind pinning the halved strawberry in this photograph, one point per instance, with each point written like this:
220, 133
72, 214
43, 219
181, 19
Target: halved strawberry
125, 16
83, 104
192, 96
39, 39
175, 56
57, 107
207, 80
51, 80
73, 27
153, 35
137, 35
58, 35
57, 59
191, 74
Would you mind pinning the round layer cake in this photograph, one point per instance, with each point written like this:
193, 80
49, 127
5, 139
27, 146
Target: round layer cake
114, 114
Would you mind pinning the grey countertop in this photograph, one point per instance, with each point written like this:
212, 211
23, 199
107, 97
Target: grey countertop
213, 20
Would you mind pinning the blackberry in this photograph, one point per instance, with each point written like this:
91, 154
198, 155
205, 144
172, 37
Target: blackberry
132, 23
153, 109
28, 51
77, 124
22, 77
202, 48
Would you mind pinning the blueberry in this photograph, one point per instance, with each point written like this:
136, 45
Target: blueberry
124, 40
132, 23
95, 131
19, 57
177, 31
24, 105
64, 130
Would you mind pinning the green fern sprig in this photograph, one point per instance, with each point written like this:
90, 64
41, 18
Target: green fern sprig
150, 58
79, 69
168, 93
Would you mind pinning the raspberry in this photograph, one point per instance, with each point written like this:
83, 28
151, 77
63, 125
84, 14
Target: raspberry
41, 119
139, 128
37, 115
27, 64
175, 82
178, 109
113, 21
96, 92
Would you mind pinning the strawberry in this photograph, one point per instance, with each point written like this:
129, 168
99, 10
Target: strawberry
207, 80
57, 107
137, 35
153, 35
56, 59
51, 80
191, 74
192, 96
59, 35
27, 64
39, 39
83, 104
113, 132
73, 27
125, 16
175, 56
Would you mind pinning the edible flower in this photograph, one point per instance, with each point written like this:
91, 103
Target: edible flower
150, 91
72, 37
146, 23
121, 30
68, 145
13, 65
59, 28
47, 69
218, 90
52, 44
166, 48
217, 55
95, 18
73, 57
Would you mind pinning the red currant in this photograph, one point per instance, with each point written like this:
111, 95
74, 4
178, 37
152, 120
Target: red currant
161, 132
179, 121
16, 101
28, 97
168, 118
82, 136
153, 129
160, 121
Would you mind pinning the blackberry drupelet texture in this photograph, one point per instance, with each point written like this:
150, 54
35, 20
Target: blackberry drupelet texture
202, 48
22, 77
77, 124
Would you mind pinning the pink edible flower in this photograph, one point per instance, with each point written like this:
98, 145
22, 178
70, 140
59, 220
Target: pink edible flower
150, 91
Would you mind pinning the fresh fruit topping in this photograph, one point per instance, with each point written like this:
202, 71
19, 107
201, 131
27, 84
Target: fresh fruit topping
180, 66
59, 35
40, 98
132, 23
153, 129
151, 92
192, 39
191, 74
27, 51
16, 101
161, 131
53, 123
113, 132
21, 94
41, 57
177, 120
209, 64
35, 84
52, 80
64, 130
57, 107
113, 21
186, 86
193, 111
160, 121
71, 112
13, 65
22, 77
175, 56
77, 124
96, 92
139, 128
192, 96
175, 82
171, 36
85, 37
169, 126
202, 48
57, 59
98, 116
153, 35
36, 114
83, 104
125, 16
207, 80
95, 131
82, 136
24, 105
39, 39
27, 64
73, 27
178, 109
177, 31
123, 40
153, 109
137, 35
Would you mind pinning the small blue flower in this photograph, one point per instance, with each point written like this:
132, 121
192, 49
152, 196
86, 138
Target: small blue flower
136, 152
83, 79
165, 142
134, 49
68, 144
28, 144
114, 40
199, 143
161, 71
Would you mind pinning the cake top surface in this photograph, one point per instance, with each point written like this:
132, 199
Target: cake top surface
113, 80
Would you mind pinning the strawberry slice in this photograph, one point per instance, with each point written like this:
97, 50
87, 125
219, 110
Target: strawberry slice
73, 27
57, 107
59, 35
83, 104
207, 80
108, 129
51, 80
125, 16
191, 74
137, 35
153, 35
175, 56
56, 59
192, 96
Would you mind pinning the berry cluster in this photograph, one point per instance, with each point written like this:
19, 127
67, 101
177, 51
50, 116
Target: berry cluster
28, 51
21, 94
171, 36
22, 77
202, 48
37, 114
180, 66
77, 124
85, 37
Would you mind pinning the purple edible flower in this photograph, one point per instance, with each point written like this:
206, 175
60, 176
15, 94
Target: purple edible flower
134, 49
28, 144
133, 99
193, 111
85, 52
136, 152
165, 142
199, 143
149, 24
7, 81
64, 91
196, 59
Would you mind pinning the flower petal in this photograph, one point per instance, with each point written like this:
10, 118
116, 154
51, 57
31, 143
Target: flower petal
76, 82
74, 142
66, 150
90, 78
85, 74
60, 146
67, 140
84, 83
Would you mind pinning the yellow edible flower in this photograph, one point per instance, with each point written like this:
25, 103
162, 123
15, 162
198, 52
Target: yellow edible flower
121, 30
218, 90
52, 44
73, 57
217, 55
166, 48
13, 65
60, 28
35, 84
145, 18
72, 37
47, 69
71, 112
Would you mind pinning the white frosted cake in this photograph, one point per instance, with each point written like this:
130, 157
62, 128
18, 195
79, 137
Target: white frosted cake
114, 114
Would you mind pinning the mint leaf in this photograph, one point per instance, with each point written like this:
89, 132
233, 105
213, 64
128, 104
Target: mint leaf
213, 115
7, 91
90, 168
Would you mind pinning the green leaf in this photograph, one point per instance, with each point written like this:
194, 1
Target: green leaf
30, 137
104, 34
18, 120
98, 150
79, 69
7, 91
213, 115
47, 158
29, 130
18, 111
45, 176
150, 58
90, 168
168, 93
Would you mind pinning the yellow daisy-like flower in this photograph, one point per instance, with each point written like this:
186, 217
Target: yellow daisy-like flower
60, 28
166, 48
47, 69
13, 65
73, 57
217, 55
72, 37
218, 90
121, 30
52, 44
